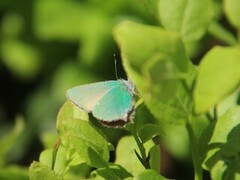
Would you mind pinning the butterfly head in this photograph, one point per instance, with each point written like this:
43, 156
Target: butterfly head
130, 86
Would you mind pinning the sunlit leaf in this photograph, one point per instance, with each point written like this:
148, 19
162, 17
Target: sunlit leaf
232, 10
218, 76
39, 171
149, 174
158, 70
81, 136
183, 16
125, 155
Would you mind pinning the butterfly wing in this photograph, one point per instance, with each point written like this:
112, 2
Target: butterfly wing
87, 96
115, 105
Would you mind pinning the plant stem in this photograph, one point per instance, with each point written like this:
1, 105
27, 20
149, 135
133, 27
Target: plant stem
195, 154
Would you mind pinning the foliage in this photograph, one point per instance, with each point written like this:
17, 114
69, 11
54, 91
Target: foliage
183, 57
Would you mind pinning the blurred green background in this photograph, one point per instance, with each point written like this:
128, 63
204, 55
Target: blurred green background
47, 47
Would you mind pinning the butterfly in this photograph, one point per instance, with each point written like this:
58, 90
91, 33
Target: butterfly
111, 102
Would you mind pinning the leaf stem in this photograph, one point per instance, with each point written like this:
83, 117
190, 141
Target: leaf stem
195, 154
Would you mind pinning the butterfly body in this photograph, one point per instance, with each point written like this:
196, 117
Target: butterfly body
111, 102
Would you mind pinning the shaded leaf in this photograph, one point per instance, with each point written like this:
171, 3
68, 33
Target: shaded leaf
13, 173
114, 171
148, 131
25, 62
8, 140
223, 146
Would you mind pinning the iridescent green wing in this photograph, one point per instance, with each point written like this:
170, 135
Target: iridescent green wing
87, 96
115, 105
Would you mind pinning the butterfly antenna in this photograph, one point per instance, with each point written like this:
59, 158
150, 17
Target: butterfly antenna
115, 66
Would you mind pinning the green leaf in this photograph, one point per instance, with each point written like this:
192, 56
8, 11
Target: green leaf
158, 70
152, 7
114, 171
61, 162
80, 136
88, 142
25, 62
150, 175
89, 24
218, 76
48, 139
155, 158
223, 145
232, 10
228, 102
222, 33
183, 16
176, 136
39, 171
13, 173
125, 155
226, 126
12, 24
69, 111
97, 158
8, 140
68, 164
148, 131
133, 38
